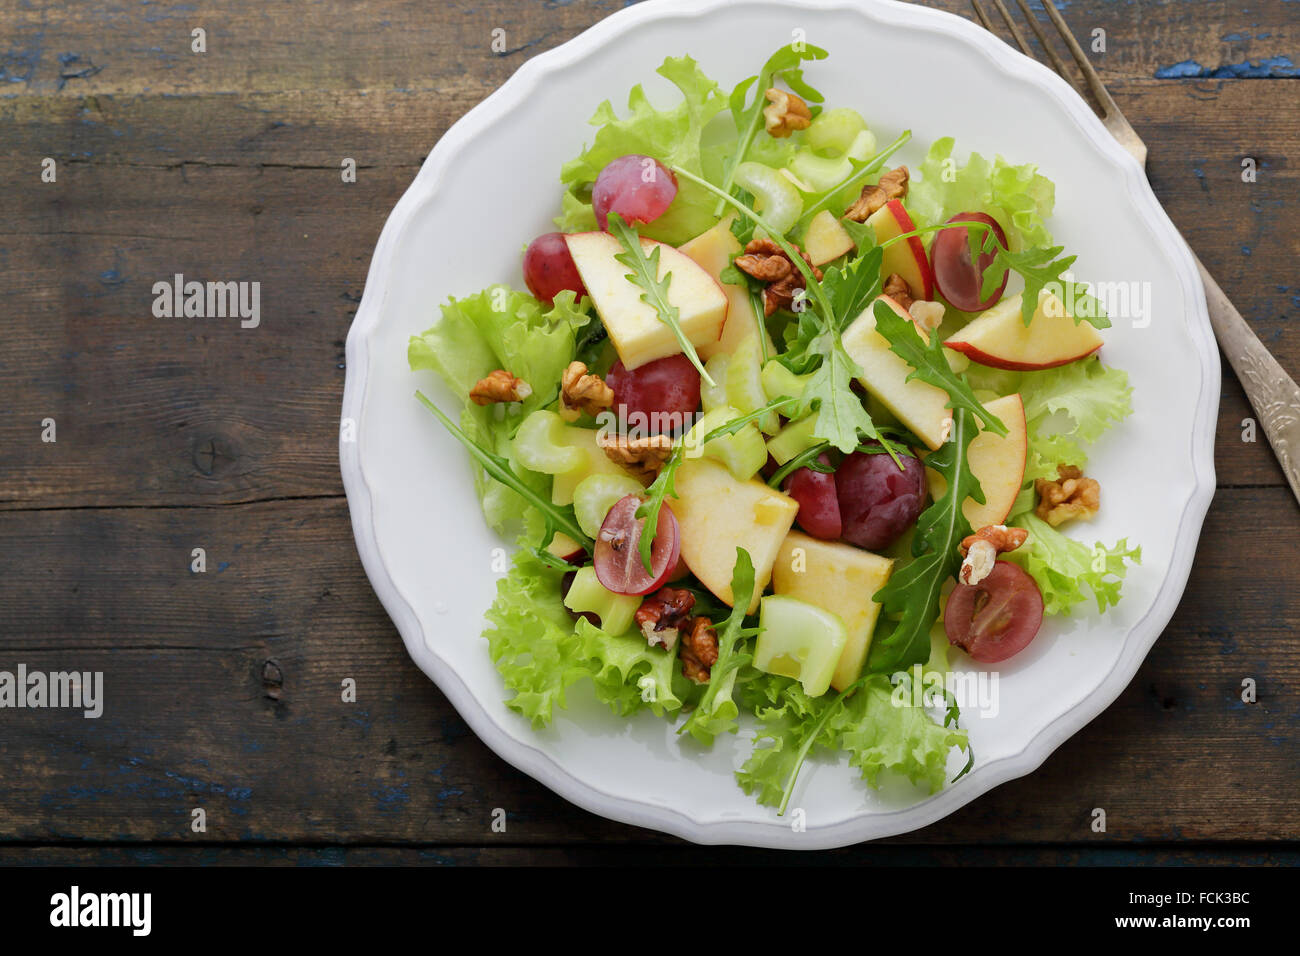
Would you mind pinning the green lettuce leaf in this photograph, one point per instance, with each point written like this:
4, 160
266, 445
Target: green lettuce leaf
532, 641
1069, 408
672, 136
1016, 196
884, 732
500, 328
1068, 571
881, 735
628, 673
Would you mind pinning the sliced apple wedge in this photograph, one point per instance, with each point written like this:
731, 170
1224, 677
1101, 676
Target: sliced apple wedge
713, 251
716, 514
999, 338
838, 578
920, 406
997, 462
825, 239
633, 325
907, 258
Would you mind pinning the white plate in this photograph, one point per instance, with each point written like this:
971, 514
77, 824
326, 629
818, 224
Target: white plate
492, 183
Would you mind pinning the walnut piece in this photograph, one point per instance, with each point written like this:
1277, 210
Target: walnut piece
1071, 496
642, 456
699, 651
926, 315
892, 185
663, 614
582, 393
784, 113
982, 548
765, 261
500, 386
896, 288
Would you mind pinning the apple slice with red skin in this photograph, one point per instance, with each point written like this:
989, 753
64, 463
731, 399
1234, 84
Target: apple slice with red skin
907, 258
999, 338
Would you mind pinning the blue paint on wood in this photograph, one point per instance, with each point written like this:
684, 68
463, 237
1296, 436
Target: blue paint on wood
1267, 68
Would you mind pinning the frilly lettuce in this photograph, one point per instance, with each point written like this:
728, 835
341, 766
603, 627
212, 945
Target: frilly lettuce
1018, 197
532, 640
628, 673
500, 328
672, 136
541, 653
1068, 571
879, 733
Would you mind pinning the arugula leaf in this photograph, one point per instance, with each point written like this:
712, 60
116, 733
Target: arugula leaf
805, 459
852, 286
1039, 268
841, 417
716, 712
912, 592
645, 276
556, 518
784, 65
736, 424
929, 365
661, 488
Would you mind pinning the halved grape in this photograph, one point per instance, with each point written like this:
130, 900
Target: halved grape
618, 557
996, 618
638, 188
549, 268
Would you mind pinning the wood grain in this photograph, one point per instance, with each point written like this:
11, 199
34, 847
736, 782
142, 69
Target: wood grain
173, 434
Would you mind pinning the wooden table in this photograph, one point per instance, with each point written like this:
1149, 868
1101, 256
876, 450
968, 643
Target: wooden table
223, 686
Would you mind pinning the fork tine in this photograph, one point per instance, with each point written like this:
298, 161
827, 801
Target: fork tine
1094, 81
981, 15
1011, 25
1032, 20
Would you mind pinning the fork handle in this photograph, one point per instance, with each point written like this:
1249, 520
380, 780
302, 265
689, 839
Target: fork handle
1273, 393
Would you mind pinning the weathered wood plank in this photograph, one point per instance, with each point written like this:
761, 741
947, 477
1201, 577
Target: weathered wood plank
668, 854
122, 47
195, 717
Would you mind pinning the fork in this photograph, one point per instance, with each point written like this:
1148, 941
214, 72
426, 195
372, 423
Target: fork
1271, 391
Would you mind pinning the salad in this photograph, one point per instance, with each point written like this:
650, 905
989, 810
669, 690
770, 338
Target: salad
782, 428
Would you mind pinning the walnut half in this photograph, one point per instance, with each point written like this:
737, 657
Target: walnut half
982, 548
663, 615
699, 651
1070, 496
892, 185
642, 456
766, 261
784, 113
500, 386
582, 393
